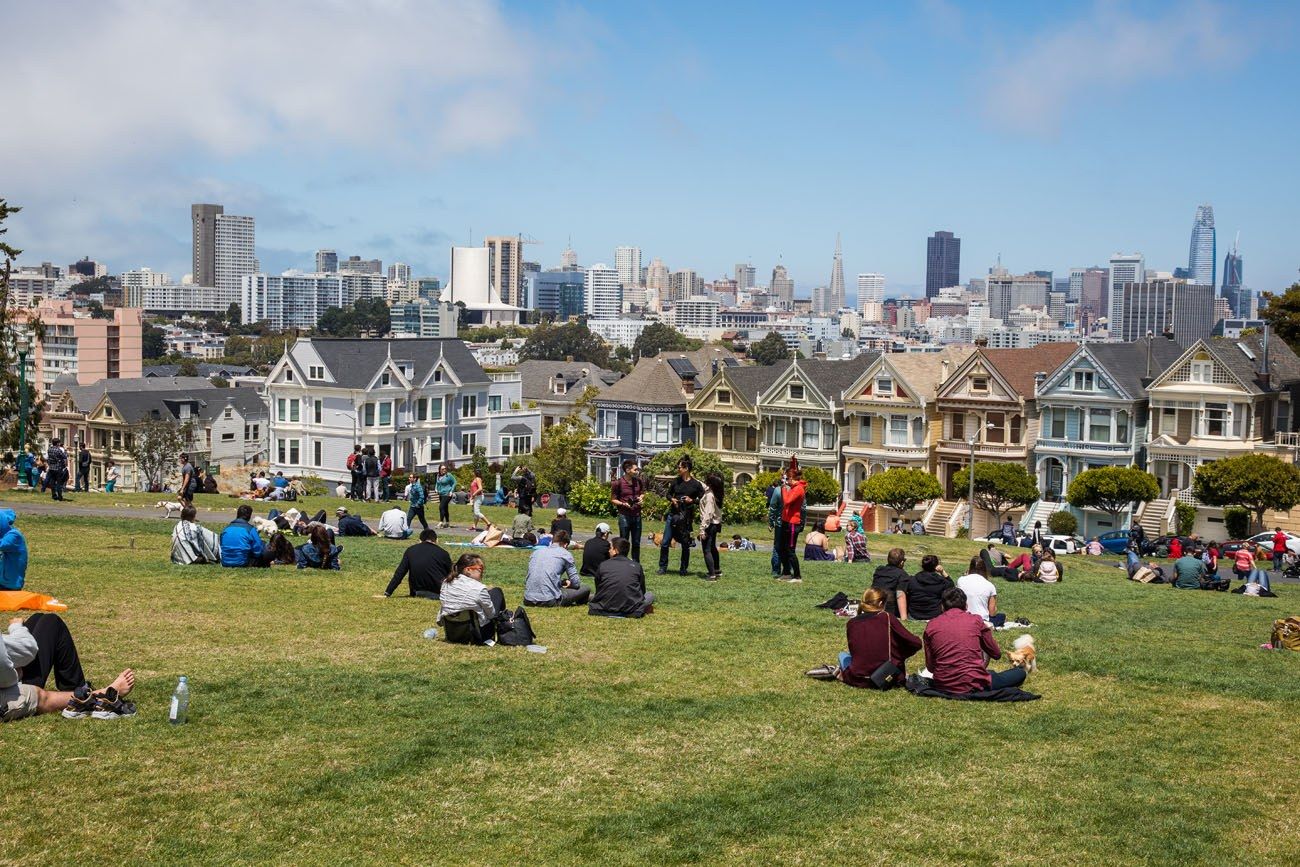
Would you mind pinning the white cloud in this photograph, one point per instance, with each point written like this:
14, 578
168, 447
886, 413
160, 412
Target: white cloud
1036, 82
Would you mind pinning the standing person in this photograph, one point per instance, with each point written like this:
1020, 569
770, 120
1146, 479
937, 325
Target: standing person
385, 477
711, 525
356, 467
1243, 561
370, 466
794, 500
415, 499
774, 523
1008, 532
525, 489
83, 469
57, 460
445, 485
683, 494
111, 475
956, 643
425, 565
625, 495
476, 499
1036, 537
185, 491
620, 585
1279, 548
1138, 536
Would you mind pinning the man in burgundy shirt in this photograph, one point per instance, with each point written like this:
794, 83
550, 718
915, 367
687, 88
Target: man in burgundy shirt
955, 644
626, 494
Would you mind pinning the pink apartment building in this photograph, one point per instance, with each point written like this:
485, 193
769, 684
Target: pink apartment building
92, 349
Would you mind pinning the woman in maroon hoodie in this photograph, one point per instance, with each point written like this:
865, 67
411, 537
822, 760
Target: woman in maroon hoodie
875, 636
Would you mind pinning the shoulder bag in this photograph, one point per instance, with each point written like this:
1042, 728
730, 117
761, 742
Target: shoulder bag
887, 674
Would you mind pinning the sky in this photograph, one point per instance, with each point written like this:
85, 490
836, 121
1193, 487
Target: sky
1050, 135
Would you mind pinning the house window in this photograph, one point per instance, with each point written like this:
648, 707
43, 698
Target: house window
1121, 426
864, 429
708, 433
468, 442
610, 427
369, 415
899, 430
422, 409
1239, 413
1016, 427
979, 384
884, 386
288, 374
778, 432
828, 436
117, 440
281, 409
315, 371
997, 432
386, 378
505, 445
724, 396
227, 437
751, 439
288, 450
1202, 371
469, 406
494, 403
1098, 425
386, 413
1083, 380
1216, 419
437, 375
294, 409
435, 449
317, 412
257, 432
796, 392
435, 409
1058, 424
811, 433
317, 453
228, 413
727, 437
523, 444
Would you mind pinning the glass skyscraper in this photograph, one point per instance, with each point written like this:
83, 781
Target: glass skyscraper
942, 262
1232, 282
1201, 257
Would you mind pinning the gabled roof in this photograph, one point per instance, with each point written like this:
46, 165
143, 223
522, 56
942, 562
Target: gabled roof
751, 380
85, 397
923, 370
538, 376
832, 377
353, 361
1018, 367
246, 401
1126, 363
1243, 356
205, 370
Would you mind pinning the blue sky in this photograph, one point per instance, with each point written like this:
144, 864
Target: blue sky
706, 134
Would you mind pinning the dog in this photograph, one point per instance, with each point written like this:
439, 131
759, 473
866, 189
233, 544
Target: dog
1024, 656
263, 525
170, 507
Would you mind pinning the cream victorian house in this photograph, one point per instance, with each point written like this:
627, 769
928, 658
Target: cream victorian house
724, 414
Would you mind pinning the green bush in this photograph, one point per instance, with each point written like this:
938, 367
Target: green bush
315, 486
1236, 521
1185, 515
653, 506
590, 497
1063, 523
744, 505
821, 487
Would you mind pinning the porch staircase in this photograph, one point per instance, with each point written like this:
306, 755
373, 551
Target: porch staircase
1155, 517
938, 516
1040, 511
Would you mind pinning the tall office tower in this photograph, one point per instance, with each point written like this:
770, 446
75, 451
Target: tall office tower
871, 288
1007, 291
327, 262
569, 258
1202, 257
1232, 280
821, 299
745, 275
357, 265
782, 287
628, 262
1124, 268
658, 278
835, 299
1093, 295
505, 266
942, 262
204, 265
604, 293
1156, 305
1074, 291
235, 245
559, 294
684, 284
399, 271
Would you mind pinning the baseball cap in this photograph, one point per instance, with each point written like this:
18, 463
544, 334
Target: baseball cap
341, 510
602, 527
561, 511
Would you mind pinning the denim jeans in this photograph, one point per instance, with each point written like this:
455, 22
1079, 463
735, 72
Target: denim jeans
1260, 577
1010, 677
845, 659
629, 527
664, 545
413, 512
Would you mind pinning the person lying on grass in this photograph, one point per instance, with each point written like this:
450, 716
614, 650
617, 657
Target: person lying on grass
27, 655
955, 644
319, 553
874, 637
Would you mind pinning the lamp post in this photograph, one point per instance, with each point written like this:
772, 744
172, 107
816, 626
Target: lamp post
22, 346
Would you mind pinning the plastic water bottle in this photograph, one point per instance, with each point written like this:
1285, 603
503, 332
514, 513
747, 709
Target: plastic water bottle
180, 708
535, 648
431, 633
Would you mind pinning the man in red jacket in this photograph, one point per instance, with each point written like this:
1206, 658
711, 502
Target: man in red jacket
1279, 548
955, 644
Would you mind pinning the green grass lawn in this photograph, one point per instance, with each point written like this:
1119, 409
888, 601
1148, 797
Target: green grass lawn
324, 728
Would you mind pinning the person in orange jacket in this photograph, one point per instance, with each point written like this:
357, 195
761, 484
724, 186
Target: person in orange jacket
793, 504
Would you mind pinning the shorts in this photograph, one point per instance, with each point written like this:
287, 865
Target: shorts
18, 701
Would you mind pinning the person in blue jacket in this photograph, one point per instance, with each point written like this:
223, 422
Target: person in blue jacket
320, 552
240, 544
13, 552
416, 497
445, 485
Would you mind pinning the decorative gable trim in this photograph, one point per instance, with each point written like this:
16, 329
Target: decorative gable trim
1178, 372
704, 400
778, 393
1063, 375
957, 380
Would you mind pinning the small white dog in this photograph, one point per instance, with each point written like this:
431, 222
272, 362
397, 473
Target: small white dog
170, 507
262, 525
1024, 656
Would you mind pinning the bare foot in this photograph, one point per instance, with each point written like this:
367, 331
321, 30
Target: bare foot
125, 683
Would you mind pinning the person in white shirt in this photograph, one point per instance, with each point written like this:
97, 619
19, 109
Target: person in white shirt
981, 595
392, 524
464, 590
341, 491
261, 483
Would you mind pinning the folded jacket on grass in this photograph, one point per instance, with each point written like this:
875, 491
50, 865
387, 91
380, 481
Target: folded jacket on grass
25, 600
922, 687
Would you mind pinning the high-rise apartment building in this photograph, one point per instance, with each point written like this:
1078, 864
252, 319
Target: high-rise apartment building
1155, 306
399, 271
942, 262
782, 287
357, 265
1124, 268
142, 278
745, 277
871, 288
821, 299
327, 261
505, 266
204, 266
235, 246
696, 312
627, 261
1090, 293
684, 284
1232, 271
835, 296
76, 342
604, 293
1202, 256
1008, 291
293, 299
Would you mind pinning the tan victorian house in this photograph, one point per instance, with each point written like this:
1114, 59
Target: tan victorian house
725, 416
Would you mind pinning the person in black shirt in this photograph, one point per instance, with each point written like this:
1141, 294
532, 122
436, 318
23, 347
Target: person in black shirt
620, 586
57, 460
595, 551
923, 592
83, 469
684, 492
351, 525
561, 522
424, 565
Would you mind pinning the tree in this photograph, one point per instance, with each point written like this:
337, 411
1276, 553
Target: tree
769, 350
1282, 312
219, 381
1113, 490
233, 314
11, 390
154, 444
561, 460
571, 340
820, 487
1254, 482
188, 366
900, 489
999, 487
661, 337
848, 334
152, 343
703, 463
97, 311
585, 406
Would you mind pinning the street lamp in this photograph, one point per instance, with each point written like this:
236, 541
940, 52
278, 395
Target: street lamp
23, 344
970, 496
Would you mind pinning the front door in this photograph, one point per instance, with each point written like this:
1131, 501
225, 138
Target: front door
1055, 480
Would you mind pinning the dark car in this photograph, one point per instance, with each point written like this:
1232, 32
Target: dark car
1159, 546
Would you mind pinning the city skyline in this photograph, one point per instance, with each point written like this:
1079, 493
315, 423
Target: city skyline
1026, 178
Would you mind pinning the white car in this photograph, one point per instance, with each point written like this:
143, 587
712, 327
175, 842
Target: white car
1265, 541
1064, 544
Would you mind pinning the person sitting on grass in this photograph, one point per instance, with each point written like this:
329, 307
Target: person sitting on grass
817, 545
855, 543
13, 552
891, 578
596, 550
980, 593
553, 576
464, 590
241, 546
996, 565
318, 553
1189, 571
1049, 571
392, 524
739, 543
561, 521
620, 585
924, 590
874, 637
193, 544
27, 654
425, 565
351, 525
955, 644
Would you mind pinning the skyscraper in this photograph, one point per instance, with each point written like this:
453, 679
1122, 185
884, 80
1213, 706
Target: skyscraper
399, 271
627, 260
204, 266
1124, 268
782, 287
744, 277
1232, 280
235, 249
1156, 305
604, 294
835, 298
1201, 258
505, 266
1093, 295
327, 261
569, 258
942, 262
871, 289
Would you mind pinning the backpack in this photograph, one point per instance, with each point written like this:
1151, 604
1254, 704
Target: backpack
352, 461
1286, 633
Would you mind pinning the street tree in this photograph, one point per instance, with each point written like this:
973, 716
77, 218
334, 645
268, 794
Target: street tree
1254, 482
154, 444
1113, 490
999, 488
900, 489
770, 350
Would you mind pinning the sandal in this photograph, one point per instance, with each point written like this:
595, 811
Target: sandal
823, 672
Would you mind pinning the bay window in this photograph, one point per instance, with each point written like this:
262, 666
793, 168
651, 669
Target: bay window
811, 432
864, 429
957, 423
609, 428
1121, 426
386, 413
1216, 419
1057, 423
997, 428
368, 415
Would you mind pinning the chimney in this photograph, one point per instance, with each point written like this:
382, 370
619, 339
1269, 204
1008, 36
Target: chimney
714, 364
688, 385
943, 371
1263, 375
1039, 378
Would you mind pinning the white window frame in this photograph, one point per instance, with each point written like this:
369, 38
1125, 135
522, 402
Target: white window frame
899, 436
884, 386
1201, 372
469, 406
1084, 380
810, 431
790, 392
317, 412
435, 449
864, 429
468, 442
385, 405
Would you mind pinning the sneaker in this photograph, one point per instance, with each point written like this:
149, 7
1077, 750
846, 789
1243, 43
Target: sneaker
111, 706
661, 571
82, 703
710, 577
794, 580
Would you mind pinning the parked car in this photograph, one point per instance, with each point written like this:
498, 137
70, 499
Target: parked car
1159, 546
1265, 543
1064, 544
1114, 542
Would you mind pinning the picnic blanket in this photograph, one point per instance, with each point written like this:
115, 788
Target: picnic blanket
25, 600
923, 687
